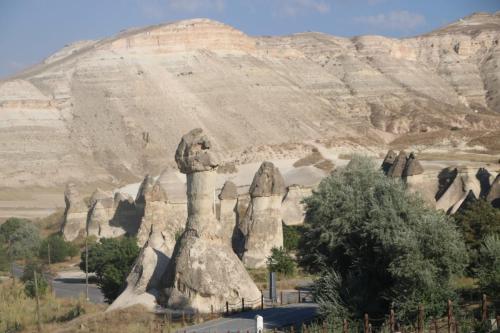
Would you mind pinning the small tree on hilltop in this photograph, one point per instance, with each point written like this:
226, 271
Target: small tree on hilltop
111, 260
374, 244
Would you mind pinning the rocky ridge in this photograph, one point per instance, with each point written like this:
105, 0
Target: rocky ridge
110, 110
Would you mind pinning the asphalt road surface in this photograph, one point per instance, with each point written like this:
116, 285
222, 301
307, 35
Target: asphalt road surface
293, 314
69, 287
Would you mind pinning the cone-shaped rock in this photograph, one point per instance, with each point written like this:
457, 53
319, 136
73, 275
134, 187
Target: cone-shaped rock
261, 226
413, 167
389, 161
494, 193
204, 271
399, 165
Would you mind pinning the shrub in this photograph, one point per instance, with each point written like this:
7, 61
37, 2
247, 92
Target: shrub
4, 260
489, 267
281, 262
476, 221
111, 260
21, 236
59, 249
380, 245
29, 280
291, 237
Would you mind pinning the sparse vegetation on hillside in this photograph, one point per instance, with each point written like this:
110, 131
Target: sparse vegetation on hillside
374, 244
111, 260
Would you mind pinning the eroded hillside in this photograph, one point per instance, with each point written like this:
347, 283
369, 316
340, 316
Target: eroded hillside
110, 111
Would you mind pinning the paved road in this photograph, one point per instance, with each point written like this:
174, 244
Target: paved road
293, 314
69, 287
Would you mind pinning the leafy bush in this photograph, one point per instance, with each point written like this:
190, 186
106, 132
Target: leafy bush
4, 260
281, 262
378, 244
59, 249
21, 236
111, 260
29, 280
489, 267
478, 220
291, 237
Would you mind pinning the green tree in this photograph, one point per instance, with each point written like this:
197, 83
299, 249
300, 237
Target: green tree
476, 221
59, 249
379, 244
29, 279
291, 237
111, 260
281, 262
21, 237
489, 267
9, 226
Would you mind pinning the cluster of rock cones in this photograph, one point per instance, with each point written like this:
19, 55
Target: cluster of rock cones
452, 190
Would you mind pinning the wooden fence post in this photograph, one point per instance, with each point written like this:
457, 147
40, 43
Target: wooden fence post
392, 321
38, 319
261, 301
436, 328
281, 297
242, 304
484, 308
299, 296
450, 316
345, 326
227, 307
420, 323
366, 323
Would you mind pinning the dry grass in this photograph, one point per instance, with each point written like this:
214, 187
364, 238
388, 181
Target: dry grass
50, 224
261, 277
18, 312
310, 159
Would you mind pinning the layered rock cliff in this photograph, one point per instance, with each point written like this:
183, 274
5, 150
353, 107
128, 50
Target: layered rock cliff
112, 110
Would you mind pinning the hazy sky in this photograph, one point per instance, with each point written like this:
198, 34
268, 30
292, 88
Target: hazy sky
30, 30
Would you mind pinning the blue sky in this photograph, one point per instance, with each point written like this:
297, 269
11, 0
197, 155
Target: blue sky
31, 30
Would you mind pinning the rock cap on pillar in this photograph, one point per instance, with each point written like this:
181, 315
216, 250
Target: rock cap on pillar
229, 191
267, 182
196, 153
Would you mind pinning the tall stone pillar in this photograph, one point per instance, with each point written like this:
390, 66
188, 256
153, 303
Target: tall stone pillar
262, 224
204, 272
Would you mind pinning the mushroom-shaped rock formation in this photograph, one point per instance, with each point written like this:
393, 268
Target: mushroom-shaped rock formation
397, 168
293, 210
227, 213
204, 272
261, 226
75, 214
494, 193
388, 161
